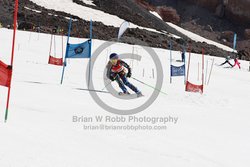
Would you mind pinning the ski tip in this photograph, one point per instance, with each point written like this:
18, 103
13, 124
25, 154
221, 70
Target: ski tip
139, 94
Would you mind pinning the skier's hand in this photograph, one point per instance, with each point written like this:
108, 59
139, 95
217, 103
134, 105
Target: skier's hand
112, 78
129, 74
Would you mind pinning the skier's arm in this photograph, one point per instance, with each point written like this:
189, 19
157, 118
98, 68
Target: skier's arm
126, 66
108, 67
109, 74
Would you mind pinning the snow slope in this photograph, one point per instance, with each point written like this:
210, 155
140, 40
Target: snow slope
156, 14
89, 2
212, 129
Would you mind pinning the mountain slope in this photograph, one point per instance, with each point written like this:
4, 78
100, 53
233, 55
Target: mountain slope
31, 14
210, 19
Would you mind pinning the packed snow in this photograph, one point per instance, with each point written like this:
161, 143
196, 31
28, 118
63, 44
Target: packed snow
212, 130
156, 14
37, 11
89, 2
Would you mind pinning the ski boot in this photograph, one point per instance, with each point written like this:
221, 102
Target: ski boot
123, 93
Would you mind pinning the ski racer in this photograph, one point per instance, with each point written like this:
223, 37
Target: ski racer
119, 71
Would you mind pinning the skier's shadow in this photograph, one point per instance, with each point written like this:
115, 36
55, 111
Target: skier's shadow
35, 82
91, 90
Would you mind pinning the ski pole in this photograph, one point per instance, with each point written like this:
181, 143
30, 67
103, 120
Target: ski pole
106, 85
210, 72
109, 83
149, 86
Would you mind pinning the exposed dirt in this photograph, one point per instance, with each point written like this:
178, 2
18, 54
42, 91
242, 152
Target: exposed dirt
205, 19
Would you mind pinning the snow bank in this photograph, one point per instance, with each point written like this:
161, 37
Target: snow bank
89, 2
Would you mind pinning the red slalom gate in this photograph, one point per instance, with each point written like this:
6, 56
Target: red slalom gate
194, 88
12, 58
55, 61
5, 74
190, 87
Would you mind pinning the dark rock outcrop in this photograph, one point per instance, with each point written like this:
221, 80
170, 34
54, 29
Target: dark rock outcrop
45, 20
220, 15
234, 10
168, 14
238, 11
247, 34
227, 35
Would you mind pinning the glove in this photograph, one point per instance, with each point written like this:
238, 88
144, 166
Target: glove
129, 73
112, 78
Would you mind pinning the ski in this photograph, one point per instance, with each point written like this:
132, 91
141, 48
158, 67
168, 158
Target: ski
128, 94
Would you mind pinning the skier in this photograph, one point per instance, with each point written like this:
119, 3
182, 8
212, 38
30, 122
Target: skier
236, 62
227, 61
118, 70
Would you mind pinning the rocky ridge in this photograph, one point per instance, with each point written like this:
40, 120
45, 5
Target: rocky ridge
36, 18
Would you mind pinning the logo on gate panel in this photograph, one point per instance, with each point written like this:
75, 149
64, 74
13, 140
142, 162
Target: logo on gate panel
79, 50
